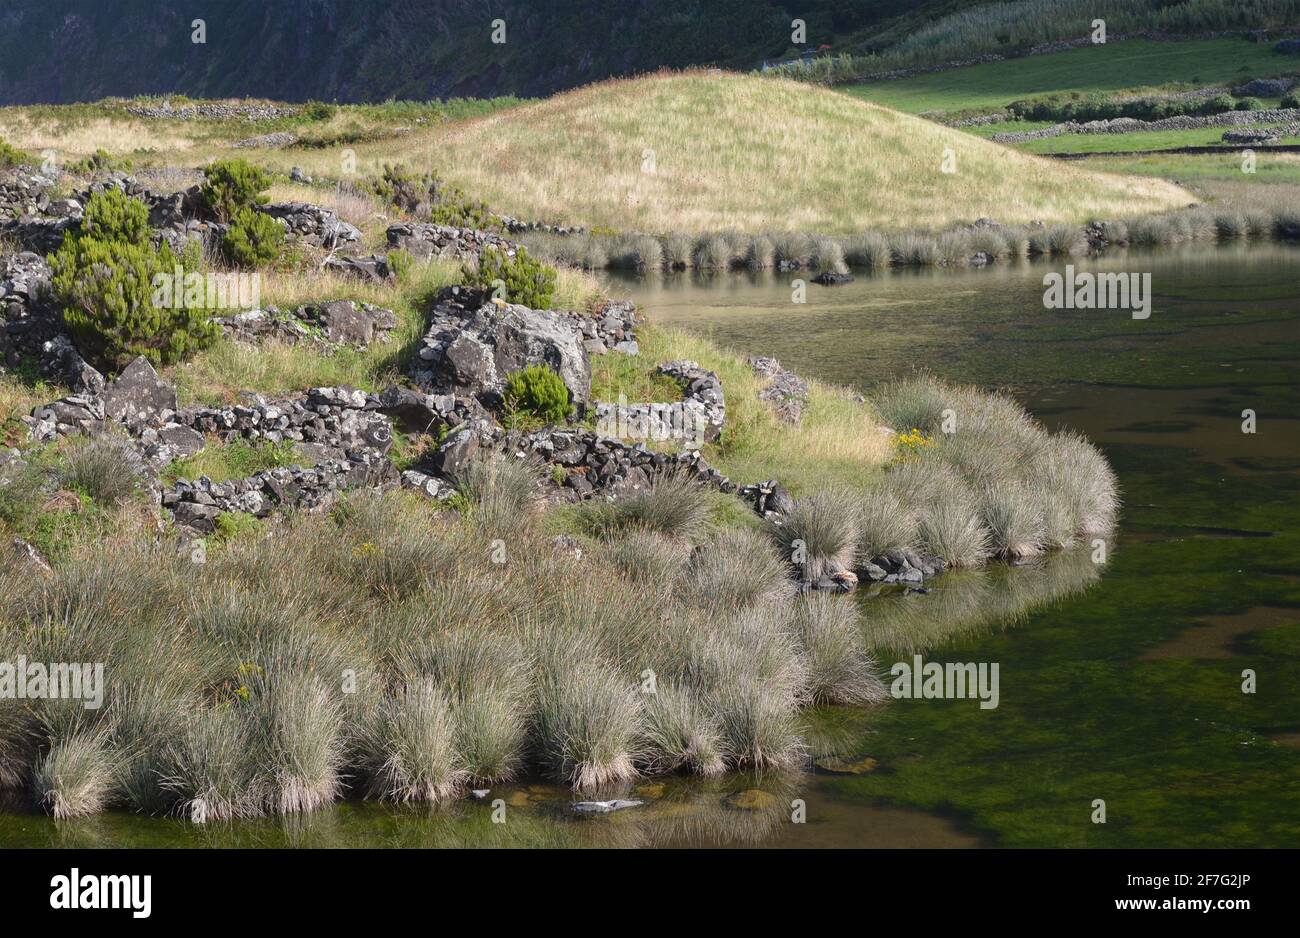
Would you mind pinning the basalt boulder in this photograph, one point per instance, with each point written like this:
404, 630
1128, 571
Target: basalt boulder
472, 346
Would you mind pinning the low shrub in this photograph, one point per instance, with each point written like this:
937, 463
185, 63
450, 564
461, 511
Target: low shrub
519, 279
537, 392
254, 238
101, 161
430, 197
230, 186
105, 281
12, 156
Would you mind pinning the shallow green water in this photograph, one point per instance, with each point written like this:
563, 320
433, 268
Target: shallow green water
1120, 683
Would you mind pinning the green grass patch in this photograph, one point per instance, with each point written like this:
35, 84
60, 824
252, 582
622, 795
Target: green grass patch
222, 462
1131, 65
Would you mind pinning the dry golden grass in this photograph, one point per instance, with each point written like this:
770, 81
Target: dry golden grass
728, 152
77, 139
837, 442
733, 151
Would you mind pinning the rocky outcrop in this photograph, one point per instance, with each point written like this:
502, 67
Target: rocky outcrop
428, 240
519, 226
314, 225
610, 327
215, 110
272, 141
600, 465
28, 319
696, 419
340, 322
39, 224
196, 505
784, 390
372, 269
1124, 125
23, 192
1262, 135
769, 499
471, 346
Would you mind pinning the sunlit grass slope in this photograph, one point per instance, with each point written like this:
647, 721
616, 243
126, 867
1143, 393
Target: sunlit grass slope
697, 151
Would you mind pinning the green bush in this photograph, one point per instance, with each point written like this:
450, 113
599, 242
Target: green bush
112, 215
254, 238
106, 283
518, 279
1290, 99
318, 111
1249, 104
101, 161
230, 186
538, 392
400, 262
12, 156
430, 195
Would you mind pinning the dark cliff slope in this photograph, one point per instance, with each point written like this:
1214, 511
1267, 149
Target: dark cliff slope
55, 51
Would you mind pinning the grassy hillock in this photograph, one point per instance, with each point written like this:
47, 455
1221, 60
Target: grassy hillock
697, 152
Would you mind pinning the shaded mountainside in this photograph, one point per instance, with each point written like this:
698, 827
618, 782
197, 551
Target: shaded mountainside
54, 51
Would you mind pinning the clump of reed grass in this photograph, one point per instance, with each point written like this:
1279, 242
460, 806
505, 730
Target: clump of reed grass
636, 252
648, 556
884, 523
1017, 242
793, 248
1152, 230
761, 253
870, 251
817, 535
105, 468
1116, 231
75, 777
914, 402
990, 241
1259, 223
954, 248
207, 771
682, 732
1230, 225
674, 505
750, 665
678, 250
1074, 467
486, 678
500, 492
915, 250
734, 569
410, 741
294, 723
1064, 241
839, 669
1200, 225
952, 531
588, 722
713, 252
1014, 523
760, 730
826, 255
